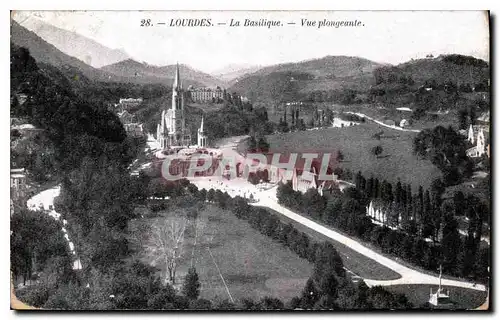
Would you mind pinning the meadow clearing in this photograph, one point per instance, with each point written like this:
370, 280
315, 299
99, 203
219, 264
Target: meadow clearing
252, 265
397, 160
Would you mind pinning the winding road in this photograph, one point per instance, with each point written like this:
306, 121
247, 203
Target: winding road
362, 115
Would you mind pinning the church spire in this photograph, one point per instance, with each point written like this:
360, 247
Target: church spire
177, 79
201, 126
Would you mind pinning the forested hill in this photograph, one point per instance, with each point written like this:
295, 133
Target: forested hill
147, 73
293, 81
77, 127
453, 68
353, 80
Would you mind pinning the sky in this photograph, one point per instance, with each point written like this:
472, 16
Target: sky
383, 36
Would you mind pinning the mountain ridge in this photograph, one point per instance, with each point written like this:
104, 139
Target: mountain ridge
133, 68
74, 44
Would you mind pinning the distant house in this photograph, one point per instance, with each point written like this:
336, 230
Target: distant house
383, 214
205, 94
305, 180
25, 129
126, 117
128, 103
17, 183
134, 129
339, 123
404, 109
302, 178
477, 138
21, 98
377, 211
484, 118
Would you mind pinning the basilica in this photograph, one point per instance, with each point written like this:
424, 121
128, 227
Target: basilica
171, 131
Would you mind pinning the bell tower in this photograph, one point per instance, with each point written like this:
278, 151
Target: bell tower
202, 137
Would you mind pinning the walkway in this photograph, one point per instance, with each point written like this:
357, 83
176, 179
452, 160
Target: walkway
45, 201
383, 124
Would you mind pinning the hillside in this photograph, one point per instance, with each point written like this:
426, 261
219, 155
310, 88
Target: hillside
74, 44
329, 66
164, 74
292, 81
457, 69
44, 52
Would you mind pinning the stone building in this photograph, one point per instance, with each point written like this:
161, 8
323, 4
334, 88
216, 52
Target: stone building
171, 131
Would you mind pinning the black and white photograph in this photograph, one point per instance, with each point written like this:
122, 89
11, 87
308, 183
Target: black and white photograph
289, 161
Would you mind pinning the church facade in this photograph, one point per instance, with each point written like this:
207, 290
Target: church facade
171, 131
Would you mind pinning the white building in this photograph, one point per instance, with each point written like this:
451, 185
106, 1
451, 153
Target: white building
126, 117
477, 138
382, 214
305, 180
17, 183
339, 123
202, 137
134, 129
377, 212
127, 103
206, 94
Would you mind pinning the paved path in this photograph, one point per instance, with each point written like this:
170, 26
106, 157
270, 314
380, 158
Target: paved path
267, 198
383, 124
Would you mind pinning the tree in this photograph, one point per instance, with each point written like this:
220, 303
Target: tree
262, 145
450, 242
462, 118
376, 189
459, 203
377, 150
310, 295
340, 156
211, 195
191, 288
314, 203
437, 190
200, 304
270, 303
28, 253
252, 144
398, 195
167, 239
301, 125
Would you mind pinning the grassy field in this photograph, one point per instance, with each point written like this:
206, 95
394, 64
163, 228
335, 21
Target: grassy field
396, 161
251, 264
419, 294
353, 261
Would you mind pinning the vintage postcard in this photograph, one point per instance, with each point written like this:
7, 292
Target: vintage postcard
250, 160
